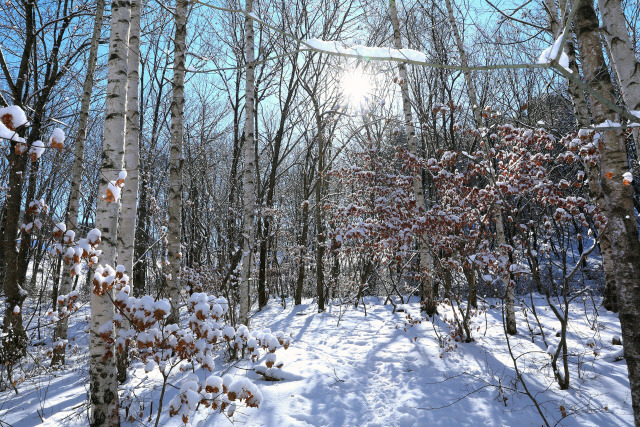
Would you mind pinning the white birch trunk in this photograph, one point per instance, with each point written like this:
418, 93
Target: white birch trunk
468, 78
175, 168
129, 200
426, 260
623, 57
60, 331
581, 109
103, 373
577, 95
617, 204
129, 197
249, 167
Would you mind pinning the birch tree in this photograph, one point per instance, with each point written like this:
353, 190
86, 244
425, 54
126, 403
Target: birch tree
426, 261
249, 168
126, 232
129, 197
617, 203
60, 332
175, 168
623, 57
584, 120
103, 372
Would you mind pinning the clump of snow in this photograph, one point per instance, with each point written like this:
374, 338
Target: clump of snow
93, 236
114, 189
551, 53
608, 124
57, 138
36, 150
12, 117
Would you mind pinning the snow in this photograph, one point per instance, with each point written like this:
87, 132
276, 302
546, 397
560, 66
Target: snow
106, 328
608, 124
551, 53
347, 369
37, 149
93, 236
5, 133
15, 114
335, 47
57, 136
115, 189
163, 305
151, 366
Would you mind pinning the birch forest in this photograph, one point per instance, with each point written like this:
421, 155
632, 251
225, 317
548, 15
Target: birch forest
320, 213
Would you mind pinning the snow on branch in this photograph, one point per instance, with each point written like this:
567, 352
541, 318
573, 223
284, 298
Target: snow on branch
366, 51
550, 54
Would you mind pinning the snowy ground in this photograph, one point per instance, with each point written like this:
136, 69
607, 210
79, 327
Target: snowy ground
348, 369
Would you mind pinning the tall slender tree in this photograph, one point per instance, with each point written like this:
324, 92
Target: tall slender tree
617, 201
426, 260
249, 168
129, 198
103, 372
60, 332
174, 253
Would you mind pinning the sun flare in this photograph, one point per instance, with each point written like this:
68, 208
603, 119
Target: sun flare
356, 87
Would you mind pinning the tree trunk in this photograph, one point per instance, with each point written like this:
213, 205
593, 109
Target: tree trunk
623, 57
426, 261
617, 203
103, 373
25, 238
249, 167
510, 315
60, 332
580, 107
320, 234
175, 171
13, 291
128, 212
129, 198
303, 249
593, 171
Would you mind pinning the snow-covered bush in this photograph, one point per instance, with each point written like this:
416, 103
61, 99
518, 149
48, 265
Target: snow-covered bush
191, 345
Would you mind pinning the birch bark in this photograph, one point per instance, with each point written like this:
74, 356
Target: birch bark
60, 331
129, 198
103, 373
623, 57
249, 167
175, 168
426, 260
128, 207
617, 203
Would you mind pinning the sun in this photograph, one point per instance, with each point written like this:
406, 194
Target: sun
356, 87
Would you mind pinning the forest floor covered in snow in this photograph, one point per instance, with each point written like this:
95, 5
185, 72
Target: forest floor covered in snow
345, 368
